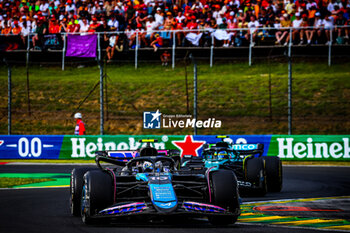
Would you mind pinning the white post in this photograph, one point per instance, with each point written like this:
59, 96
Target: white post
173, 55
290, 43
99, 46
136, 49
64, 50
28, 48
250, 49
212, 51
330, 47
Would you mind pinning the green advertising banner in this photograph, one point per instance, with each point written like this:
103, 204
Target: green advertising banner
84, 147
310, 147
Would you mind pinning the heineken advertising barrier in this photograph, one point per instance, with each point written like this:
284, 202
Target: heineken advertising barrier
287, 147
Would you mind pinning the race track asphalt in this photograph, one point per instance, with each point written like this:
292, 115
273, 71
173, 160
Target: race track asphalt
47, 210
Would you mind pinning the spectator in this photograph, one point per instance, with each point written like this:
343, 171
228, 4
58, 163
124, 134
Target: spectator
159, 17
41, 30
130, 13
175, 25
328, 26
94, 25
253, 25
151, 25
112, 39
157, 43
54, 27
180, 17
140, 33
318, 27
73, 25
113, 23
297, 23
290, 7
339, 23
168, 21
25, 31
129, 32
165, 58
283, 33
80, 126
108, 7
44, 7
84, 26
104, 26
221, 34
16, 30
70, 6
308, 31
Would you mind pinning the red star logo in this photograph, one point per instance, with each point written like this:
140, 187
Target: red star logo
188, 146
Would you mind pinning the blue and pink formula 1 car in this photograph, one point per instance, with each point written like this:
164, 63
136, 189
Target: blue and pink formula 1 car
152, 186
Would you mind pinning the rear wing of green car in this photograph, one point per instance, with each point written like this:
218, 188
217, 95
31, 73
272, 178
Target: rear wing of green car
248, 149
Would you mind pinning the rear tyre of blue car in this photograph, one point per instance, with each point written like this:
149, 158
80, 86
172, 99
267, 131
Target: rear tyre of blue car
76, 186
97, 194
224, 191
273, 173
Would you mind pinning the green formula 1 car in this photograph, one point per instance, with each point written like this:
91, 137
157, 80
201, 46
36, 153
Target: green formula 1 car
256, 174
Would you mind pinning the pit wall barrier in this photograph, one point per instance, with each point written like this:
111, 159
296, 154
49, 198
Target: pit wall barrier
287, 147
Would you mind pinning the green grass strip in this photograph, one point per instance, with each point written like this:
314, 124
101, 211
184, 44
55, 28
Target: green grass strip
6, 182
47, 179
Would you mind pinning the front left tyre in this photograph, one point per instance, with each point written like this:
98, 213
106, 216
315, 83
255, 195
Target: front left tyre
76, 186
224, 192
97, 194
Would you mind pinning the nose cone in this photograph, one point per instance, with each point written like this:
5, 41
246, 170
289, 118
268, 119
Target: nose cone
163, 196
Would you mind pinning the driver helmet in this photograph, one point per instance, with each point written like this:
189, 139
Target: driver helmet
228, 141
158, 166
147, 166
222, 155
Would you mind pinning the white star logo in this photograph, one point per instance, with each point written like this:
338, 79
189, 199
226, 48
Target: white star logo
156, 115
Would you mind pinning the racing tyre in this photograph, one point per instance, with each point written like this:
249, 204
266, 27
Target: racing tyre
76, 185
274, 177
97, 194
255, 173
224, 193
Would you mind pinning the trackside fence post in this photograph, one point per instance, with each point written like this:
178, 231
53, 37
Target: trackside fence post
64, 49
330, 47
101, 100
290, 84
9, 99
99, 47
28, 48
194, 93
27, 72
290, 43
212, 51
250, 48
136, 49
173, 54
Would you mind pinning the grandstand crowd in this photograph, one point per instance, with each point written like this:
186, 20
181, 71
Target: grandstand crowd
149, 20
